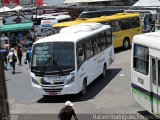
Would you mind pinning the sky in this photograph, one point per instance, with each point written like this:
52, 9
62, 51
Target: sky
54, 2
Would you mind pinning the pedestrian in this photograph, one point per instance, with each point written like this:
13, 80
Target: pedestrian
4, 54
19, 54
6, 45
12, 59
3, 39
67, 112
29, 55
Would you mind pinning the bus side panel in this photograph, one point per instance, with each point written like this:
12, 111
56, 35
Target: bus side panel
155, 54
141, 89
117, 38
133, 32
86, 71
120, 36
111, 56
93, 67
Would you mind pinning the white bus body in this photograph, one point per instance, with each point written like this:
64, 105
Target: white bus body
49, 21
43, 26
66, 63
145, 71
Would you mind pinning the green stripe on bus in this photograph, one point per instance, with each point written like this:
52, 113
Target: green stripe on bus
151, 99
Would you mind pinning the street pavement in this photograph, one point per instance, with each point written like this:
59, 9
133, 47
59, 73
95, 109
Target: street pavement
110, 95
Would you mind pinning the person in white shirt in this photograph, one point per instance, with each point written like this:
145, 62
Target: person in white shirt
3, 39
12, 59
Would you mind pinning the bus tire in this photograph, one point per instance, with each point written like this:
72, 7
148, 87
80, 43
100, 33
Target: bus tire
126, 43
84, 88
104, 71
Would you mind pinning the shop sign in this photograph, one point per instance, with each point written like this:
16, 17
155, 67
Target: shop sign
48, 23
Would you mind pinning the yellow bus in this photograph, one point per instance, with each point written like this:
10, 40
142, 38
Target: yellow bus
124, 26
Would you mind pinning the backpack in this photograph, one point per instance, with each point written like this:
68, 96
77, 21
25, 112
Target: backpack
14, 58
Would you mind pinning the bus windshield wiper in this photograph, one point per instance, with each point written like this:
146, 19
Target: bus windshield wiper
42, 71
56, 65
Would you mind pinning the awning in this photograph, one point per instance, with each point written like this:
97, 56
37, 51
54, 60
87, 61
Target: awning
16, 27
17, 8
5, 9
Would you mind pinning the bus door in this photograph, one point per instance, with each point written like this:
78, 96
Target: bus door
155, 84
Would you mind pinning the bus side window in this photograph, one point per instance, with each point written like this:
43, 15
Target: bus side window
115, 26
80, 54
89, 48
125, 24
135, 22
141, 59
103, 40
96, 45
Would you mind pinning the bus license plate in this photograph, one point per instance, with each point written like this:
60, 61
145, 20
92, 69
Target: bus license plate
52, 93
48, 79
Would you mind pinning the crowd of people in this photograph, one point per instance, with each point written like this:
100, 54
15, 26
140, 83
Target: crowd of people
24, 39
12, 53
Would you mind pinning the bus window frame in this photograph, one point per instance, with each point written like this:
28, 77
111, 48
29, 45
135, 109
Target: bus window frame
77, 53
114, 28
125, 25
136, 26
147, 61
86, 40
96, 39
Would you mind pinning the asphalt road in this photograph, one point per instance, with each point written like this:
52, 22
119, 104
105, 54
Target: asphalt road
110, 95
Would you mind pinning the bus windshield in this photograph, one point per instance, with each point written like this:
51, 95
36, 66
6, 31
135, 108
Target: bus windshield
53, 57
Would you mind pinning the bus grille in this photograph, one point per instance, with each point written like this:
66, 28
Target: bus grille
53, 90
49, 87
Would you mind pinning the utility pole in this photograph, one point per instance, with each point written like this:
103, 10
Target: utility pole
4, 108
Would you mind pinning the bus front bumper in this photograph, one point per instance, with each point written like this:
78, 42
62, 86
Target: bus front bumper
66, 90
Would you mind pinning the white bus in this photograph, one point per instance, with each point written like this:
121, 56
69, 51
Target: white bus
145, 71
67, 62
43, 23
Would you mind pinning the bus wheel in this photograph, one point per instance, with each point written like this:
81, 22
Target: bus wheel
84, 88
126, 43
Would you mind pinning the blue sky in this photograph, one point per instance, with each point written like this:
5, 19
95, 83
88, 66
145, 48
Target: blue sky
54, 2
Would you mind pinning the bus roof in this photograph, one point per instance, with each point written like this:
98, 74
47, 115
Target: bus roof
69, 23
98, 19
59, 17
99, 13
75, 33
83, 27
151, 40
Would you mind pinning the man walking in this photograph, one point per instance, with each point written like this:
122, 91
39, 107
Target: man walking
67, 112
12, 59
19, 54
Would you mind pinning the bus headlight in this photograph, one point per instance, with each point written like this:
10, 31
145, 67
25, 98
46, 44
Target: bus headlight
35, 81
70, 80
